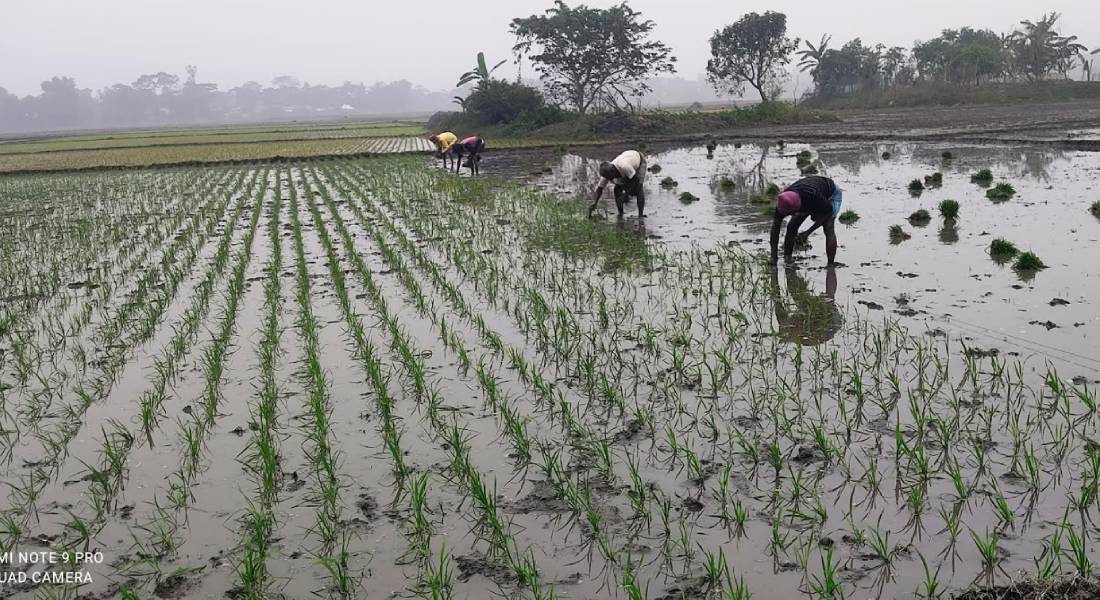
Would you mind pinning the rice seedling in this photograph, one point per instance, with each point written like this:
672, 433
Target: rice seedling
654, 168
934, 180
668, 183
772, 190
688, 197
920, 218
898, 235
915, 187
1095, 209
848, 217
1028, 262
982, 177
949, 209
1001, 192
1001, 249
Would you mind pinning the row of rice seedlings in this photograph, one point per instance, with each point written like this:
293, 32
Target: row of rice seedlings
577, 494
57, 326
918, 462
262, 458
55, 442
46, 352
158, 537
332, 554
513, 425
491, 526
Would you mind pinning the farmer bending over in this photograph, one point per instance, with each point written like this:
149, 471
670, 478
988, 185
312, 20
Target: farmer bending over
626, 172
471, 147
443, 142
815, 197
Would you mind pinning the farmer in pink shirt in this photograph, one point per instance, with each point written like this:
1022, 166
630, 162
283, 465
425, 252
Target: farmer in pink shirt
471, 147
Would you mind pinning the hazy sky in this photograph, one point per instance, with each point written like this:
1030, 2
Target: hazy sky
101, 42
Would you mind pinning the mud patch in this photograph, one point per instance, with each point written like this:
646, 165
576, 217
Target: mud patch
472, 565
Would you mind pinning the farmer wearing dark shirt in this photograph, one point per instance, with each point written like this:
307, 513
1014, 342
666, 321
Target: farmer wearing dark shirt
815, 197
470, 147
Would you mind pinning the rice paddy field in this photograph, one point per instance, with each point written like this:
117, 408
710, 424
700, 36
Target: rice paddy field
365, 377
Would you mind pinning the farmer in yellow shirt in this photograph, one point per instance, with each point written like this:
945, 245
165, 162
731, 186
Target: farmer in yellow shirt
443, 142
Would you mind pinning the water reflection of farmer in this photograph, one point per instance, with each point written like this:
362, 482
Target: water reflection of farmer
803, 316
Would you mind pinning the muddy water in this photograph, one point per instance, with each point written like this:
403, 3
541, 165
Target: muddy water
940, 278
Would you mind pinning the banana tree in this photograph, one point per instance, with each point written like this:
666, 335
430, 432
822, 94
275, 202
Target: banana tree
480, 73
812, 55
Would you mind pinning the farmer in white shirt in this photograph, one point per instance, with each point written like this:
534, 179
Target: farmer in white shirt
626, 172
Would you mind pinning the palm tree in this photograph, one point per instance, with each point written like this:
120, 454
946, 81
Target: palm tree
812, 55
481, 73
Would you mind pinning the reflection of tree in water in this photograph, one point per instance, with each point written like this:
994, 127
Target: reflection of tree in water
749, 172
1036, 162
801, 315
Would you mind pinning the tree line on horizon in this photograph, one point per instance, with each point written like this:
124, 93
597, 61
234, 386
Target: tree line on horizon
587, 60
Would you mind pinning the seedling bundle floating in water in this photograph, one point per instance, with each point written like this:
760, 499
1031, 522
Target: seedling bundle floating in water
916, 187
898, 235
920, 218
1001, 192
688, 197
848, 217
668, 183
983, 176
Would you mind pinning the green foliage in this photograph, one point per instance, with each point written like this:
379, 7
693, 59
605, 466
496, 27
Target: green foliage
495, 101
916, 187
898, 235
688, 197
759, 199
810, 170
668, 183
1002, 248
585, 55
753, 50
949, 209
1001, 191
848, 217
481, 73
654, 168
1028, 261
772, 190
728, 184
1095, 209
934, 180
982, 176
920, 217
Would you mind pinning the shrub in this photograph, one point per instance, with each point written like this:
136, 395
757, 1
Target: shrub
916, 187
772, 190
848, 217
727, 184
668, 183
1001, 191
1028, 261
898, 235
920, 217
688, 198
982, 176
497, 101
1002, 248
949, 209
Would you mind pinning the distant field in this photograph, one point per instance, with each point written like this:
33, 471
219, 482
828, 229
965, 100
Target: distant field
207, 136
148, 155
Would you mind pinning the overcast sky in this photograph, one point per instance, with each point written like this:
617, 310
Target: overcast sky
429, 42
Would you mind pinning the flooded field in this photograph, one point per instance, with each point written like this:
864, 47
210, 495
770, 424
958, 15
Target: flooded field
943, 277
365, 378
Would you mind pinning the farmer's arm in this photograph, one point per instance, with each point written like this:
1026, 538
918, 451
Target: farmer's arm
792, 233
599, 193
777, 224
640, 195
830, 240
806, 234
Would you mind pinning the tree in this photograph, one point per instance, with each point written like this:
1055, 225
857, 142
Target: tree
497, 101
754, 50
1040, 49
811, 56
589, 56
479, 73
59, 104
